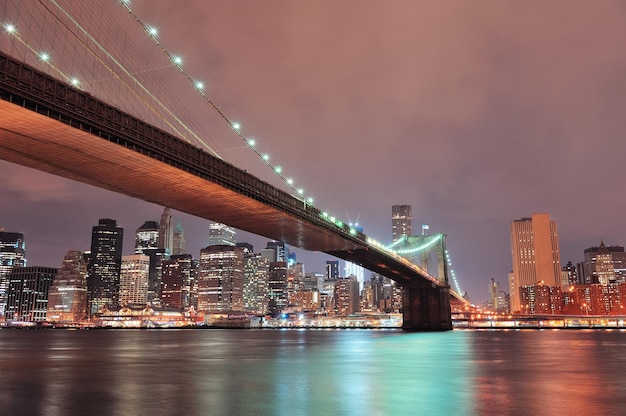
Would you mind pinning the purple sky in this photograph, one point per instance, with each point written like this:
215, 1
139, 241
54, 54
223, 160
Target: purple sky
474, 113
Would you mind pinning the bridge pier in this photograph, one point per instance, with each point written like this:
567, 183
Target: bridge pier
426, 307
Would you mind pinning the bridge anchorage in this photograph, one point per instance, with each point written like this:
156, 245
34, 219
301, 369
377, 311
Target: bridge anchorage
51, 126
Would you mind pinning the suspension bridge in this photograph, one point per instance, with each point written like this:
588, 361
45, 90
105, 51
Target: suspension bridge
140, 146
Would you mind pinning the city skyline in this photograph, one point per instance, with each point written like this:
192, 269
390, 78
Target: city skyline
489, 124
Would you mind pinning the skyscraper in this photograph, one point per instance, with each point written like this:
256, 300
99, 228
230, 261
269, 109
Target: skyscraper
178, 243
67, 298
147, 242
103, 281
332, 269
176, 281
401, 221
220, 278
221, 234
12, 254
134, 280
27, 299
535, 253
166, 233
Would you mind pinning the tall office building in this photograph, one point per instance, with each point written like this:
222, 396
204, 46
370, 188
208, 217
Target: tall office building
103, 279
177, 281
12, 254
589, 268
535, 253
166, 233
281, 251
401, 221
255, 282
27, 299
277, 286
220, 278
134, 280
346, 295
67, 298
147, 243
332, 269
222, 235
178, 240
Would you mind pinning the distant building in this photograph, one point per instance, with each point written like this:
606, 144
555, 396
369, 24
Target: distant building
498, 299
27, 299
256, 282
178, 240
281, 251
166, 232
177, 281
541, 299
103, 279
220, 279
401, 221
332, 270
589, 269
278, 298
222, 235
536, 257
347, 300
134, 277
12, 254
147, 243
67, 297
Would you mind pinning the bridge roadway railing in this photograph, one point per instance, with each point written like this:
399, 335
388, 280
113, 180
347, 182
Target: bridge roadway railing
30, 88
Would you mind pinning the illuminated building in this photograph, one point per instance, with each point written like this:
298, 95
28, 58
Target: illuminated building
541, 299
305, 300
220, 279
147, 243
255, 282
176, 281
221, 235
12, 254
346, 296
27, 297
67, 297
332, 270
355, 270
103, 278
281, 251
497, 297
277, 286
535, 252
589, 268
178, 240
166, 233
134, 275
401, 222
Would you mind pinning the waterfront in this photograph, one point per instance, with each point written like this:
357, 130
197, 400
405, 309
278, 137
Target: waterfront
312, 372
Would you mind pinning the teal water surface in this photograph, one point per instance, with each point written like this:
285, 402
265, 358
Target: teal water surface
312, 372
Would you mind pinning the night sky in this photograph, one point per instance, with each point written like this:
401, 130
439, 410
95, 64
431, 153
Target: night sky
474, 113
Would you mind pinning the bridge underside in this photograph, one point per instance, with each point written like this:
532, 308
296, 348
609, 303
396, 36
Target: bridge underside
36, 141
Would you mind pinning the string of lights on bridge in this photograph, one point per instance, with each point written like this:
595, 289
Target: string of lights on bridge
235, 126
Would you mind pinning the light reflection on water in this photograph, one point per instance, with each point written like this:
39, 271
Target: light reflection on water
311, 372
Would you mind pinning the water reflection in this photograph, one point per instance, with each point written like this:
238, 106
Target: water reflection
311, 372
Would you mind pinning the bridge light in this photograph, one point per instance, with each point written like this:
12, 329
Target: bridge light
74, 82
236, 126
290, 182
251, 142
266, 157
278, 169
44, 56
152, 31
177, 60
200, 85
300, 191
309, 200
9, 28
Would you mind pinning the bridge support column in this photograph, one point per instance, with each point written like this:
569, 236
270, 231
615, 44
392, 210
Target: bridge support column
426, 308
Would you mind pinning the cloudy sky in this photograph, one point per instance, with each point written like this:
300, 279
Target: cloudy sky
475, 113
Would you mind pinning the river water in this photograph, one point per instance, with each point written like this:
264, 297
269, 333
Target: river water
312, 372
